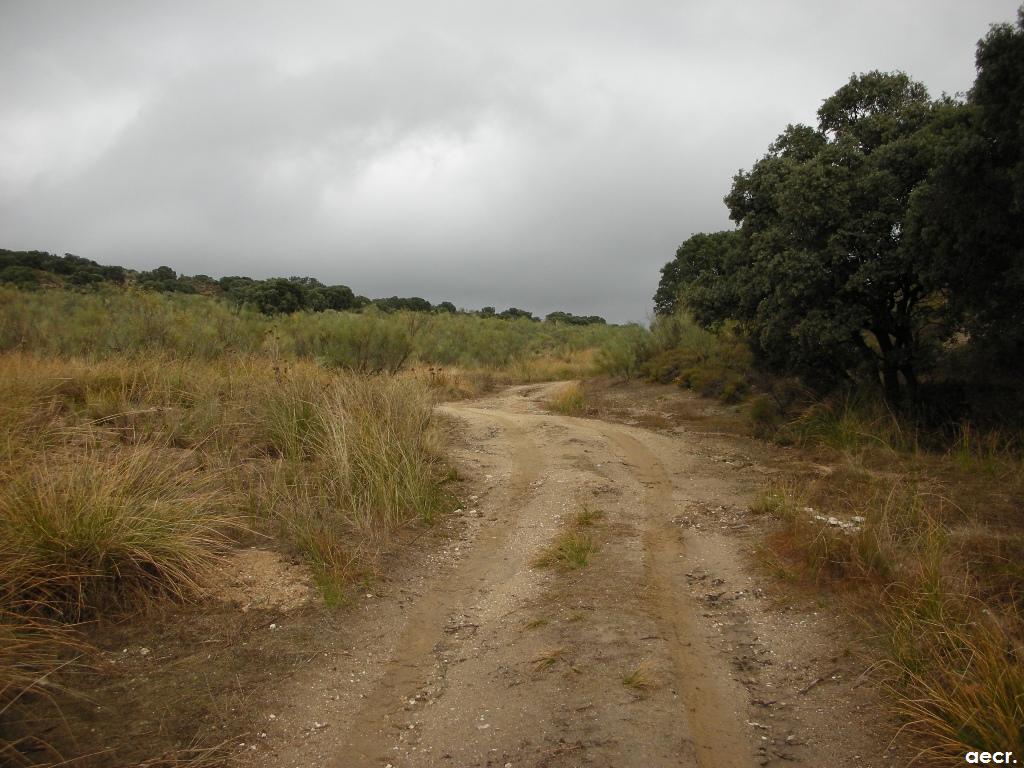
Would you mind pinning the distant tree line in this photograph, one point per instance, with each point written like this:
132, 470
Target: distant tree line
884, 244
570, 319
34, 269
31, 270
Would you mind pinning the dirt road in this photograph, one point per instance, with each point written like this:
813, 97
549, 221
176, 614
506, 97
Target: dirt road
666, 649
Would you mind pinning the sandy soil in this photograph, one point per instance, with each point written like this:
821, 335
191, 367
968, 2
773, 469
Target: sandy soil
469, 655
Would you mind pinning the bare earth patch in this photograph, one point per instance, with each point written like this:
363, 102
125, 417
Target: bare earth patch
261, 578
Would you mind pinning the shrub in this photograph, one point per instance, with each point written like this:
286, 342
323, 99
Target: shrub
621, 355
765, 416
713, 364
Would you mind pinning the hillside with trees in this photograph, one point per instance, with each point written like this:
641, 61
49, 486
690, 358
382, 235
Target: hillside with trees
33, 270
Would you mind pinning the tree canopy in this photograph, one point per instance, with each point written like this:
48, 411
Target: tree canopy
869, 243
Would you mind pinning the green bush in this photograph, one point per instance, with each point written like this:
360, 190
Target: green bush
714, 364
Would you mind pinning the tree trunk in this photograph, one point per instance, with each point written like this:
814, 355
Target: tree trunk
910, 376
891, 383
890, 369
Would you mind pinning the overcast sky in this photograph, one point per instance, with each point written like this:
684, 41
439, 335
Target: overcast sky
547, 155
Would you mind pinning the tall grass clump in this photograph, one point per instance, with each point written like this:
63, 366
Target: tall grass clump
94, 527
851, 420
348, 461
958, 677
126, 479
569, 399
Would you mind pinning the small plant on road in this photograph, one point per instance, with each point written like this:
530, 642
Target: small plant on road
571, 550
574, 547
639, 678
547, 659
587, 516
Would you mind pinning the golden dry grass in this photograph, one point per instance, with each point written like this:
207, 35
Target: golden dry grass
569, 400
124, 480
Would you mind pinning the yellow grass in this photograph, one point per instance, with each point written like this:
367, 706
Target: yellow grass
570, 399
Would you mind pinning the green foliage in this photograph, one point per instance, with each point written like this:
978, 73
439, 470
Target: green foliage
622, 354
166, 280
513, 313
571, 319
871, 245
395, 304
336, 297
277, 296
713, 363
20, 277
701, 259
29, 269
969, 216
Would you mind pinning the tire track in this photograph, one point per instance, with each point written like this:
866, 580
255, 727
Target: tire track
370, 732
711, 700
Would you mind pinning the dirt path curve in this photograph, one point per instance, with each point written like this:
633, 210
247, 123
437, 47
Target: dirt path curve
660, 652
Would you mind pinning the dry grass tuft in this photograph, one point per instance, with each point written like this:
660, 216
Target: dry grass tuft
639, 678
574, 546
547, 659
569, 400
88, 529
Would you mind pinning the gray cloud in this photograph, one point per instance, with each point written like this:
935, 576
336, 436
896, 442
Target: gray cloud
543, 155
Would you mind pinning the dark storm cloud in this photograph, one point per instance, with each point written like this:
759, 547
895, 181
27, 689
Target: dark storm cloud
543, 155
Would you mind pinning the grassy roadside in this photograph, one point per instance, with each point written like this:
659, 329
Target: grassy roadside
926, 544
125, 480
